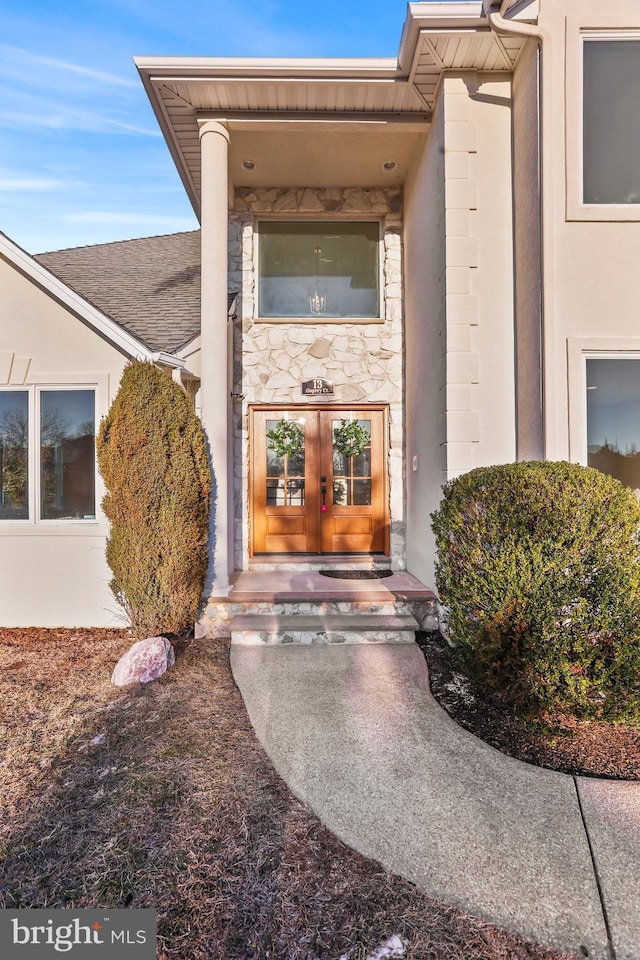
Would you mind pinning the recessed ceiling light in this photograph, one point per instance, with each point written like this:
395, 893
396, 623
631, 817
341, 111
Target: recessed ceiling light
248, 164
389, 165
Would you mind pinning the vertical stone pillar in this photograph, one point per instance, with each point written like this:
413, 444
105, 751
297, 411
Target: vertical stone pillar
215, 385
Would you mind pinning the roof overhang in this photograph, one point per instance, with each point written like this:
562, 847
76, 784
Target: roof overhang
322, 123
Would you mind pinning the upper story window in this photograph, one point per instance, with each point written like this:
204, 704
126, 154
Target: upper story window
47, 454
611, 120
319, 269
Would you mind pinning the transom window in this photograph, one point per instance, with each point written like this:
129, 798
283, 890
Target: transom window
611, 121
47, 454
325, 269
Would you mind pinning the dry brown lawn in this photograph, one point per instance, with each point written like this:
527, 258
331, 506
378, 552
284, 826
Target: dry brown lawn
160, 796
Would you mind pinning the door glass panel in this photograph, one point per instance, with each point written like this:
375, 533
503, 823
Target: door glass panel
613, 418
275, 465
340, 492
285, 473
362, 493
362, 464
340, 463
347, 490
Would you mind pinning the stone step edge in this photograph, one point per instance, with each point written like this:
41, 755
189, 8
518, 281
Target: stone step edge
325, 623
307, 596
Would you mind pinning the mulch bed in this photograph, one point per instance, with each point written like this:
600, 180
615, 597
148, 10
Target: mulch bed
161, 796
557, 742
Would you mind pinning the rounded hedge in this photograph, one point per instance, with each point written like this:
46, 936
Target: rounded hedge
539, 569
152, 455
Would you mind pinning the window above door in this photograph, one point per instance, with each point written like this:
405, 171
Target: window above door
327, 270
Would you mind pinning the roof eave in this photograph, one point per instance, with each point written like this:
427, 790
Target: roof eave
269, 67
435, 16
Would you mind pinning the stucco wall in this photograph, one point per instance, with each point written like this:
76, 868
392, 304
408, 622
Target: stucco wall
480, 238
54, 574
591, 289
527, 256
459, 300
425, 334
364, 360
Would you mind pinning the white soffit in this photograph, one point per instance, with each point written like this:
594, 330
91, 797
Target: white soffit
298, 100
476, 50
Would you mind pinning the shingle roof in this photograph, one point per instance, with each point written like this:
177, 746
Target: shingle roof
151, 287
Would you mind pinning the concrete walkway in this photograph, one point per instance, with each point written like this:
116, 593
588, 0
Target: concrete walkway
356, 734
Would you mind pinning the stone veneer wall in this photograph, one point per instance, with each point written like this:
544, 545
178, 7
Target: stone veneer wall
364, 360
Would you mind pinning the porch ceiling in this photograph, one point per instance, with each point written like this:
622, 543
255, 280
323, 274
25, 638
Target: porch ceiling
322, 122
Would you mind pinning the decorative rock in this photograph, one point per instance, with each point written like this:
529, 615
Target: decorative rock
146, 660
351, 393
320, 348
334, 194
287, 201
310, 202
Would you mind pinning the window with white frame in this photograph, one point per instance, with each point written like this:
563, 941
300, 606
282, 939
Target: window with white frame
47, 454
325, 269
611, 119
613, 417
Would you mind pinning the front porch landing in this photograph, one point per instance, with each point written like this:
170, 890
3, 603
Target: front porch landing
303, 606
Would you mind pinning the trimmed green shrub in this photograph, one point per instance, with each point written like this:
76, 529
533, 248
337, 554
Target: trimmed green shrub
539, 570
153, 458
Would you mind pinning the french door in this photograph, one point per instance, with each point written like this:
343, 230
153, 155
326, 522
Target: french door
307, 496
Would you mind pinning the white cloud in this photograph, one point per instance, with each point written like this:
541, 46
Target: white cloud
10, 183
15, 62
100, 75
54, 116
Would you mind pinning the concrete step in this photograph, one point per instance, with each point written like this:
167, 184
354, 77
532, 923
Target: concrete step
299, 586
266, 628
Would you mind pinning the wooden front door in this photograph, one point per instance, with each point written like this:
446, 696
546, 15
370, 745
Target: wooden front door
315, 499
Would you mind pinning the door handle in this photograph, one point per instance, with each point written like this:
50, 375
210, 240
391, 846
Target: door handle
323, 491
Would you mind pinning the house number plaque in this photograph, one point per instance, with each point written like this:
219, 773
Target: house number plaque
318, 387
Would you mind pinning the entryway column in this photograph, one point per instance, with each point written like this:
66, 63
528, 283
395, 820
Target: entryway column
215, 385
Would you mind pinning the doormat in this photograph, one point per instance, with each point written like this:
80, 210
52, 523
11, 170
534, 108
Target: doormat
357, 574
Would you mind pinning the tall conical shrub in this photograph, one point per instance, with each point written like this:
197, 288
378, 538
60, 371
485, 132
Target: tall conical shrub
153, 459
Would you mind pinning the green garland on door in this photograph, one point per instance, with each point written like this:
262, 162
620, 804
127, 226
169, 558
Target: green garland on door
350, 438
286, 438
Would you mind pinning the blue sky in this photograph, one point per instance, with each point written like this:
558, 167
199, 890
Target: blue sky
81, 157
